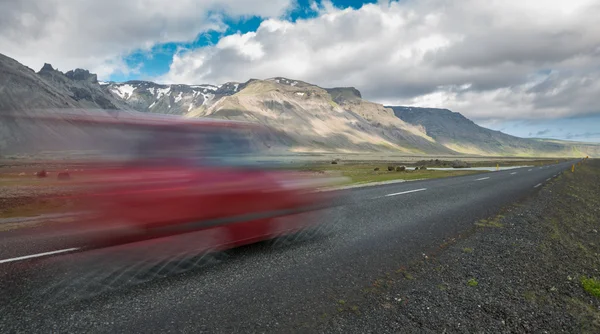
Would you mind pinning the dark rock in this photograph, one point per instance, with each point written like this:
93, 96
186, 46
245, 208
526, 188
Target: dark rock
423, 168
400, 168
41, 173
334, 162
47, 67
81, 94
460, 164
391, 168
82, 75
376, 169
63, 176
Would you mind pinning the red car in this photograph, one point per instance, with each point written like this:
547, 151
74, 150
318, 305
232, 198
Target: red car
159, 187
187, 175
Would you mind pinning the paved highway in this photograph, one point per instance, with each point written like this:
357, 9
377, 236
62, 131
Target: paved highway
265, 288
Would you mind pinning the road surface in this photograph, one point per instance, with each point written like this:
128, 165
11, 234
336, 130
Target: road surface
275, 289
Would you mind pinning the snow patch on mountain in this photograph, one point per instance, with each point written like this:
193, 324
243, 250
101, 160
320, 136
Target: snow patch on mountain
179, 97
206, 87
163, 91
123, 91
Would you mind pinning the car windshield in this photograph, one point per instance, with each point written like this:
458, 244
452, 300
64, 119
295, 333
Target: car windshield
197, 146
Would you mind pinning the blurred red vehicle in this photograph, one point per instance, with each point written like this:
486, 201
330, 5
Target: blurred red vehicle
152, 177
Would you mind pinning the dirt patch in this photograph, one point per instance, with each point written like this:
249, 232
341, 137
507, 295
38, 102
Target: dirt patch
533, 268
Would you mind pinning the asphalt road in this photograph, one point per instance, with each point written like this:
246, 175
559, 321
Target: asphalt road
262, 288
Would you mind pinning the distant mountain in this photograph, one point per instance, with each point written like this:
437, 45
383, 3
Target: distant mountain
458, 133
308, 118
167, 99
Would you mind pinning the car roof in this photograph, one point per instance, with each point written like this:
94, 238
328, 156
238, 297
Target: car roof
124, 117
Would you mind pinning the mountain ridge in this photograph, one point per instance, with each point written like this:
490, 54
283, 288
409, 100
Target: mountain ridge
455, 131
313, 119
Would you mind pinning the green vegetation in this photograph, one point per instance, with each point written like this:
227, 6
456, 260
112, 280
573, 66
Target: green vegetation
490, 223
591, 286
344, 307
408, 276
472, 282
365, 172
468, 250
529, 296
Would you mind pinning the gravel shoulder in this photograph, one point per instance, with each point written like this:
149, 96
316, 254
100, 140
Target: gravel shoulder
520, 271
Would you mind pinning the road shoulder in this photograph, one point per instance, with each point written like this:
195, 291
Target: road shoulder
533, 267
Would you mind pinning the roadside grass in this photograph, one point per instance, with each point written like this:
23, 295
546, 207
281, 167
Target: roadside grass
366, 173
512, 163
591, 286
31, 207
492, 222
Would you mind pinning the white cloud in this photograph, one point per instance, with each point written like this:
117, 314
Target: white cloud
96, 34
486, 59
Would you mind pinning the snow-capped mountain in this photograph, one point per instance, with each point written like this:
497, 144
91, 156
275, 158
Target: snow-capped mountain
168, 99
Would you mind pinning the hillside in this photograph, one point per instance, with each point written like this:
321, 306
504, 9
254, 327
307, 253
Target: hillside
316, 122
21, 88
458, 133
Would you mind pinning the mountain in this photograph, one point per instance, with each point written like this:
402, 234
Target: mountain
316, 122
21, 88
313, 118
81, 86
458, 133
165, 99
308, 118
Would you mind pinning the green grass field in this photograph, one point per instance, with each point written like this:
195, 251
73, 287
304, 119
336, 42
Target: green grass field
365, 173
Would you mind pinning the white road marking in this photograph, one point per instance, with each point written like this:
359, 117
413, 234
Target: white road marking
530, 170
483, 178
406, 192
513, 173
38, 255
539, 184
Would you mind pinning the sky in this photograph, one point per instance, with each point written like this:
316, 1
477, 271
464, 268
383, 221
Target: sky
527, 68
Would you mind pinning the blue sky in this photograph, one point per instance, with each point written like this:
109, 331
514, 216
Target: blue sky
156, 62
585, 129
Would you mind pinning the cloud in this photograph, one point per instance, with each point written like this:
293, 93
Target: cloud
585, 135
97, 34
542, 132
486, 59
